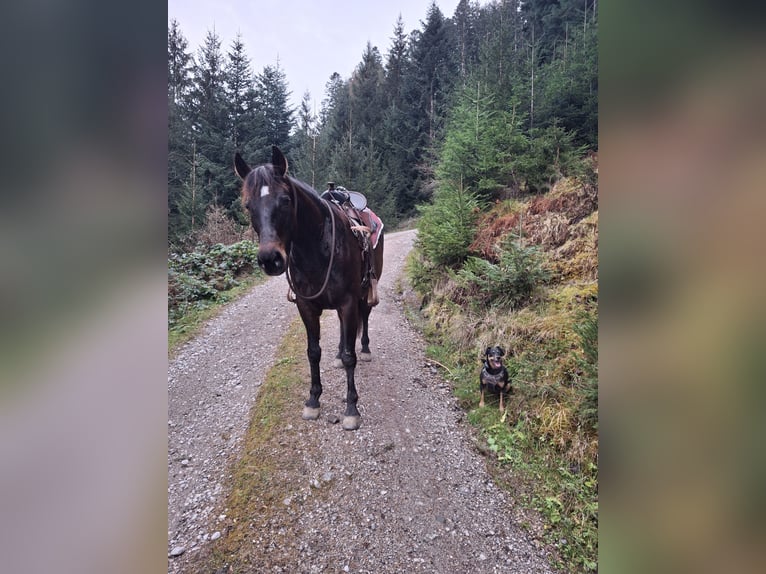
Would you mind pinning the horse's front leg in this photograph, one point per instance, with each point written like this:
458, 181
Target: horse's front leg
349, 323
310, 319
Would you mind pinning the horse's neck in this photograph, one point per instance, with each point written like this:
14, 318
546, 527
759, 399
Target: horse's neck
312, 215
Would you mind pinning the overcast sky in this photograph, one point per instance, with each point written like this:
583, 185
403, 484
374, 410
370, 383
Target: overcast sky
311, 38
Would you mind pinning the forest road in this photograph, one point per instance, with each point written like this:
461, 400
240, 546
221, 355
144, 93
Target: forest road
407, 492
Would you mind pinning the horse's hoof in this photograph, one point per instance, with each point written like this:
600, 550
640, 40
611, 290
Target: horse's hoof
352, 423
367, 357
337, 363
310, 413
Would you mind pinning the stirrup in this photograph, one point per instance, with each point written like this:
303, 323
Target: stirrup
372, 293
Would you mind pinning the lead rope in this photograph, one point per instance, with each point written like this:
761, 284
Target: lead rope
329, 266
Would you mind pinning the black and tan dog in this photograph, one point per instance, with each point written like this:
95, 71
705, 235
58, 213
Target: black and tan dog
494, 375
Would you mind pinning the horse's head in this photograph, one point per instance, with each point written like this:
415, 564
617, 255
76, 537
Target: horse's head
268, 196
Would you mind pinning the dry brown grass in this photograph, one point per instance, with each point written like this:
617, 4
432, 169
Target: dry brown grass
563, 222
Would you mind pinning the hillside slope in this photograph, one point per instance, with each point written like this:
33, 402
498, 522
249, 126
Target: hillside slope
530, 284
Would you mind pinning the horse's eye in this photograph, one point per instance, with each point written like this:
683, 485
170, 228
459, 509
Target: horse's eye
284, 200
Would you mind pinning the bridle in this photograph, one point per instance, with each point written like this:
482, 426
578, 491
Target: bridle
332, 250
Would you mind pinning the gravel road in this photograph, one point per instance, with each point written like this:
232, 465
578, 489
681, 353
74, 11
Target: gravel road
407, 492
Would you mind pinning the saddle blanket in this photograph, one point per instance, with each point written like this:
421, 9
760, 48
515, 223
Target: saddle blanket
374, 223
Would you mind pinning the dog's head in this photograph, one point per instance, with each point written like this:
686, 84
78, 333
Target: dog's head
494, 356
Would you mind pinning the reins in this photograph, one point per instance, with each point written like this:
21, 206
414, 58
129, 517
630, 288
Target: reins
332, 253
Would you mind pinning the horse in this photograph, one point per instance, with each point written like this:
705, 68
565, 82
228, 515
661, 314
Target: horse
310, 240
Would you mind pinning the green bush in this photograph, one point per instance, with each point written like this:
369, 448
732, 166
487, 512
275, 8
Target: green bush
204, 273
510, 283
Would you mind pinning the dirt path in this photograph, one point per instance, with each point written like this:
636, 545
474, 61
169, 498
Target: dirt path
407, 492
212, 385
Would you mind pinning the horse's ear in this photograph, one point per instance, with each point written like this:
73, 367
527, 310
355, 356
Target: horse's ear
240, 166
278, 160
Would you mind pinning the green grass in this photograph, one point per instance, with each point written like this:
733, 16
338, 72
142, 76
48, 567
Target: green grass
531, 445
542, 480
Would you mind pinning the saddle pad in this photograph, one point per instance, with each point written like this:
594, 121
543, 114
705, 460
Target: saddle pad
374, 223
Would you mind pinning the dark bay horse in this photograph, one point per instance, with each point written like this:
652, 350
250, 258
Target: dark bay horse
311, 240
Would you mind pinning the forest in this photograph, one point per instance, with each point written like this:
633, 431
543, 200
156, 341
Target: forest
480, 128
500, 98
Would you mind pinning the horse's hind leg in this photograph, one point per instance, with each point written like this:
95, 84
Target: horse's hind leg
314, 352
364, 312
349, 322
338, 361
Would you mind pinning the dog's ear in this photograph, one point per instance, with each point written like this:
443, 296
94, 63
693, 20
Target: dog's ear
502, 351
487, 351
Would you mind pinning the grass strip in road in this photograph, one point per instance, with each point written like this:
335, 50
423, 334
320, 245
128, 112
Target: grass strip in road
260, 480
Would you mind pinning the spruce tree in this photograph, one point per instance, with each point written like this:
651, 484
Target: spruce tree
304, 146
238, 80
272, 104
210, 122
179, 127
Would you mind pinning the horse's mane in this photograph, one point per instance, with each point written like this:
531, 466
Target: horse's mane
305, 187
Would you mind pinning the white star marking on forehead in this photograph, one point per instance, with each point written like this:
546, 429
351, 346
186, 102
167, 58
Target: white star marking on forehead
264, 190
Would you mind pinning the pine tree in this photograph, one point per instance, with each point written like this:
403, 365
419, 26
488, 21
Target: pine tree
400, 143
568, 92
482, 142
304, 155
179, 64
179, 127
357, 161
366, 92
395, 68
238, 79
436, 69
272, 104
211, 125
465, 32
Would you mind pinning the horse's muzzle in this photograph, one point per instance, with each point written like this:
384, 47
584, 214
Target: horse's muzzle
272, 261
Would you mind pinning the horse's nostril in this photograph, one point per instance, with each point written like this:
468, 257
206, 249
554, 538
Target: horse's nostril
272, 262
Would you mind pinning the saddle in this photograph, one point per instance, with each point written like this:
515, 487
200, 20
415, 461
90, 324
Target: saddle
365, 225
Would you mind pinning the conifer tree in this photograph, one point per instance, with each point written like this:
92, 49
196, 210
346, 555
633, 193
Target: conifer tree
210, 121
272, 105
435, 72
179, 128
238, 80
465, 30
304, 164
